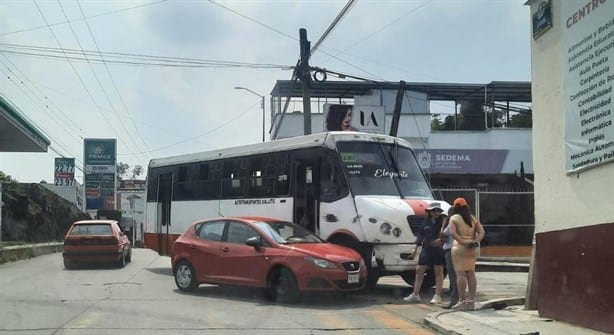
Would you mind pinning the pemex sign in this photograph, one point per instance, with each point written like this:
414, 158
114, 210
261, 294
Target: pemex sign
100, 157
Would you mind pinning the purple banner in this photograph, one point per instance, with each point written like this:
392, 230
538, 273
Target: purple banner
461, 160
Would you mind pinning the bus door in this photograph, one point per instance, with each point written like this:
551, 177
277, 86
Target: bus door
163, 224
305, 194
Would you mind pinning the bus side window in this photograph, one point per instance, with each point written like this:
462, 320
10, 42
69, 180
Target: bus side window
283, 177
332, 181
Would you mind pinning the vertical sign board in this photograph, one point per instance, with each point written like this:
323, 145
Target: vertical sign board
64, 172
588, 75
100, 157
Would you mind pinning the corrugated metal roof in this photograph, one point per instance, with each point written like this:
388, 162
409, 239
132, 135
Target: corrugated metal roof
513, 91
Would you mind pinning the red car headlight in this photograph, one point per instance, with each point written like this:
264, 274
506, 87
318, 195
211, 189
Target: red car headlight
321, 263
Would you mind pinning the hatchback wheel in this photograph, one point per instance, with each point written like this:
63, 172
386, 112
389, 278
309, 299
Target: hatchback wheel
68, 264
282, 286
185, 277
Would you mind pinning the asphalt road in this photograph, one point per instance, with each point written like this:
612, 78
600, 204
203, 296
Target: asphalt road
38, 296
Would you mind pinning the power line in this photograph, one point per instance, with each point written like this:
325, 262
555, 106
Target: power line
362, 39
118, 57
254, 21
128, 134
111, 77
90, 17
39, 127
332, 26
208, 132
67, 119
77, 74
29, 96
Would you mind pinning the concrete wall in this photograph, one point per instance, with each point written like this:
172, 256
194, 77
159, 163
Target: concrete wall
19, 252
574, 213
561, 200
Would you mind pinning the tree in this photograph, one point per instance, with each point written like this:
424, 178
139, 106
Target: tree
122, 169
136, 171
523, 120
435, 122
5, 178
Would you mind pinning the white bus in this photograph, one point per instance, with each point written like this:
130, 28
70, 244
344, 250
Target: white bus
361, 190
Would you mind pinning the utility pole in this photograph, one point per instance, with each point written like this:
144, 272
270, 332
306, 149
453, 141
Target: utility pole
396, 114
304, 75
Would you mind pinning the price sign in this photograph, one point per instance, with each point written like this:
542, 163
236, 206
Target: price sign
64, 172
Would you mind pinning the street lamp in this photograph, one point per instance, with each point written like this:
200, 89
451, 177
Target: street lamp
262, 105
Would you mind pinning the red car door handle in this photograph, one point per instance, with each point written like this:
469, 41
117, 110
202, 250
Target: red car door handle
192, 246
225, 249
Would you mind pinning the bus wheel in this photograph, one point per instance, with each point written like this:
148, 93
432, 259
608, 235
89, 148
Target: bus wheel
282, 286
185, 277
373, 272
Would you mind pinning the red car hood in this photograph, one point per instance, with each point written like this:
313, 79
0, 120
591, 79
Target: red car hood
329, 251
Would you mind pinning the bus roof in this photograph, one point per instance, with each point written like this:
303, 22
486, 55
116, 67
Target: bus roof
297, 142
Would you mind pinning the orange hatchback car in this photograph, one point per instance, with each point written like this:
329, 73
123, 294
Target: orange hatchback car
281, 257
96, 241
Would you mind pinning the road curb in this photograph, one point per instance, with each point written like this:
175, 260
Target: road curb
432, 321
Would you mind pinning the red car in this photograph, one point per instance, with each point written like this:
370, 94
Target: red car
281, 257
93, 241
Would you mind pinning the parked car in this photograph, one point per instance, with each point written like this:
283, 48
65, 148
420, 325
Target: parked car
281, 257
96, 241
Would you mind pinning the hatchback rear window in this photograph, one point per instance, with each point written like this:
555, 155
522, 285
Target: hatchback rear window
92, 229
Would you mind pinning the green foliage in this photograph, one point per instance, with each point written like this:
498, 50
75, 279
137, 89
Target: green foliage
524, 120
5, 178
31, 213
136, 171
123, 169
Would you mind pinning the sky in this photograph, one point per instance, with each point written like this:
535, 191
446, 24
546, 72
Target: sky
158, 111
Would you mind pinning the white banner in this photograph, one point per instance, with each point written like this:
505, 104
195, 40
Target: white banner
588, 74
90, 169
369, 119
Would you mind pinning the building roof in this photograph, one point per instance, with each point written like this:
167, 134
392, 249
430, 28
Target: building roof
513, 91
17, 134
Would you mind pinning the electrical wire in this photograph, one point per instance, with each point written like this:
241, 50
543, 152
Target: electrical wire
138, 132
123, 58
208, 132
104, 91
79, 76
90, 17
69, 121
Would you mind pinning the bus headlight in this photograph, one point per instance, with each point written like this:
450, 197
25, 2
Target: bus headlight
396, 232
385, 228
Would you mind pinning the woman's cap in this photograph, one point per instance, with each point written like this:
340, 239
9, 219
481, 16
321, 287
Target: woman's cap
459, 202
433, 206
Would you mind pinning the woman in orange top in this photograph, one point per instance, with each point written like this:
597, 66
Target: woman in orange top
467, 232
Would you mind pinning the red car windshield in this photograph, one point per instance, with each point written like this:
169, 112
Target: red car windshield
287, 232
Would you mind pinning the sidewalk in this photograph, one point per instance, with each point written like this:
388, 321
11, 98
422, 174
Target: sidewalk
513, 320
509, 319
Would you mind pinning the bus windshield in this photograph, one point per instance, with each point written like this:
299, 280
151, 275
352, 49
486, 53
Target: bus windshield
383, 169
